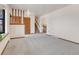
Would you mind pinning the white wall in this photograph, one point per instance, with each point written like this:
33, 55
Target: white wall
40, 23
7, 18
64, 23
32, 24
17, 31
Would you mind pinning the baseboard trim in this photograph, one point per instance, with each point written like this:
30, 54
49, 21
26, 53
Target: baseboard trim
17, 37
68, 40
64, 39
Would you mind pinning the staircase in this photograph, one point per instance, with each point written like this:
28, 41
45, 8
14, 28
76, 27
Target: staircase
36, 25
44, 28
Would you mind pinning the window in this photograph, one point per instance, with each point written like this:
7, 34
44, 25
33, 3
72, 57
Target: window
2, 21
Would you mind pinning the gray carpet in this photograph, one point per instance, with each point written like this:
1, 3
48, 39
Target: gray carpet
41, 44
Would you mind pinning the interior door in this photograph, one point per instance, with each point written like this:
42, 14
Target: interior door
27, 25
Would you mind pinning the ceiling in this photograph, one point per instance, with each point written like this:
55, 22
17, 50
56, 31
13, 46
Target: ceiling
38, 9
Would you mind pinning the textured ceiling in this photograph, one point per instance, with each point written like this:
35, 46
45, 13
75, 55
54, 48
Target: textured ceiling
38, 9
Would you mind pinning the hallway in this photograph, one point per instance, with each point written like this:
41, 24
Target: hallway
40, 44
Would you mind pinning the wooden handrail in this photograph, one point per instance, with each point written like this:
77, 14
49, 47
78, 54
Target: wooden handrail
16, 19
37, 22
